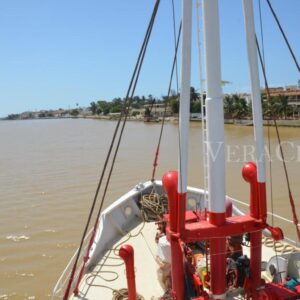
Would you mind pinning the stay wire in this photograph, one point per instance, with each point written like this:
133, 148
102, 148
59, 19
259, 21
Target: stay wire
174, 31
166, 103
295, 218
133, 83
268, 130
261, 33
283, 34
127, 111
263, 61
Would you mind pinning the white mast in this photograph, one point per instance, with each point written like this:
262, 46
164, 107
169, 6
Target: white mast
255, 90
185, 94
214, 108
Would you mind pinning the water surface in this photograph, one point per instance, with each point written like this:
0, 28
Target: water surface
49, 172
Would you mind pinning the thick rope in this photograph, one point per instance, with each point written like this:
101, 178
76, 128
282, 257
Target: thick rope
122, 294
153, 206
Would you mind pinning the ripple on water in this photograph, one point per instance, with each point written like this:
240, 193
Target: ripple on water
24, 274
17, 238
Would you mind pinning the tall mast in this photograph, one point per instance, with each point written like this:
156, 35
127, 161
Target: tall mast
260, 213
214, 108
215, 144
255, 89
185, 94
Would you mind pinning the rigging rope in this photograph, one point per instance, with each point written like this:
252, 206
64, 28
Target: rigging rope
165, 108
125, 110
292, 203
175, 47
283, 34
269, 133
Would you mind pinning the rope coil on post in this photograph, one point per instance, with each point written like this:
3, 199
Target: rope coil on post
122, 294
153, 206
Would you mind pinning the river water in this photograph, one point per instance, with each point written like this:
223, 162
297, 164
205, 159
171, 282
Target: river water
50, 169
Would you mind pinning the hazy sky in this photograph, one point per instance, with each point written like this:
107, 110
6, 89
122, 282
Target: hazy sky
56, 53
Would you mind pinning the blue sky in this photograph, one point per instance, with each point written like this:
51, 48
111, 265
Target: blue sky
56, 53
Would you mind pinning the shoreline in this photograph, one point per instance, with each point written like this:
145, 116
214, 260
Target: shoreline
236, 122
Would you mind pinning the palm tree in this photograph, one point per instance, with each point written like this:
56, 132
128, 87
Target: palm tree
194, 96
241, 108
228, 106
283, 105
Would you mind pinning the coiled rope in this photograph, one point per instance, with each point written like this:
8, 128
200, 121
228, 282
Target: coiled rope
153, 206
122, 294
113, 254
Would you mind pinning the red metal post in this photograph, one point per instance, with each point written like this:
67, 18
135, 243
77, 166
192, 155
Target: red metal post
262, 195
170, 183
257, 211
181, 214
127, 254
217, 258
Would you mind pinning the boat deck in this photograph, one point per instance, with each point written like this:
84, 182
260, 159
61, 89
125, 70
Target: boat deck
110, 274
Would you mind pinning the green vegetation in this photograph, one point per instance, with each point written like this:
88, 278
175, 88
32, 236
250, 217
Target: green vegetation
277, 107
235, 107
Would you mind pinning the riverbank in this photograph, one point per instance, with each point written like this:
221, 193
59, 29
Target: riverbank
237, 122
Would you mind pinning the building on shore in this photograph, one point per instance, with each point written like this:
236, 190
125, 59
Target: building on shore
292, 92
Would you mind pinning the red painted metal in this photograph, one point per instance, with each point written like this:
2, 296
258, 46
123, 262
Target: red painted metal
190, 216
218, 266
276, 233
177, 266
126, 252
262, 196
257, 211
85, 259
184, 228
228, 205
170, 181
234, 226
217, 256
255, 262
217, 218
181, 214
249, 173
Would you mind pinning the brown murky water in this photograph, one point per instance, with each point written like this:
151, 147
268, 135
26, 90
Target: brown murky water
49, 171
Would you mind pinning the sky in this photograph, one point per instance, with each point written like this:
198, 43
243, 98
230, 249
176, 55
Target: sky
56, 53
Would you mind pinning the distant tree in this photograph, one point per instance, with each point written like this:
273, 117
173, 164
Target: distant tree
147, 112
174, 102
235, 107
98, 110
116, 105
74, 112
135, 113
241, 109
283, 104
194, 96
13, 117
102, 107
195, 107
93, 107
228, 106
